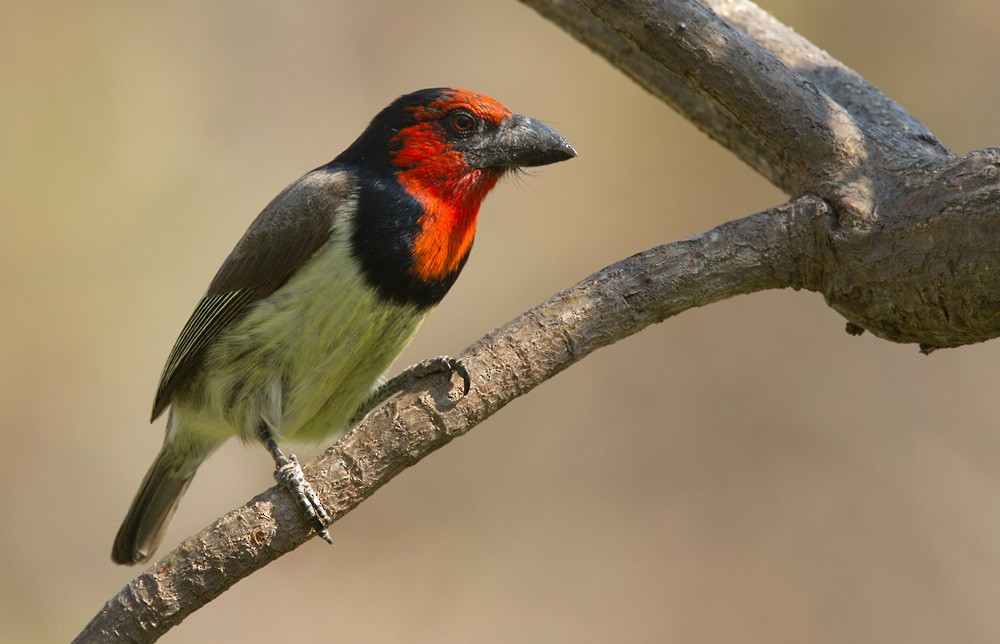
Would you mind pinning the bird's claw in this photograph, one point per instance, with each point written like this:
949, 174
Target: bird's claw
447, 364
290, 476
410, 375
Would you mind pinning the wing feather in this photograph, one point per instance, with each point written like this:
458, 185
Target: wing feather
296, 224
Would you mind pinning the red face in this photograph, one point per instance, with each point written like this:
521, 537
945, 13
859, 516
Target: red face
433, 169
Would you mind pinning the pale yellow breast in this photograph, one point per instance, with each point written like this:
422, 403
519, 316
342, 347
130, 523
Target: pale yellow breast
306, 357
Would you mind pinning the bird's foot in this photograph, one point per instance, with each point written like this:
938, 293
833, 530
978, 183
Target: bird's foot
288, 473
446, 364
406, 378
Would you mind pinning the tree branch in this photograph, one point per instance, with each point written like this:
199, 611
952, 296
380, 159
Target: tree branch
705, 69
896, 232
862, 100
808, 133
910, 253
743, 256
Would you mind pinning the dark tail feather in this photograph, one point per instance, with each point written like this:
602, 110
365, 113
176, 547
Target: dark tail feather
161, 490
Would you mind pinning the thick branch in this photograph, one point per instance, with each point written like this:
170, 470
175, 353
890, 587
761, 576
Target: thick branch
743, 256
909, 256
666, 85
809, 134
862, 100
754, 92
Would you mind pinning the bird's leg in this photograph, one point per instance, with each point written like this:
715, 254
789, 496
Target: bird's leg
288, 473
406, 378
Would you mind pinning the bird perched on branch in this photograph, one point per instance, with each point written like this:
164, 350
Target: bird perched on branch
324, 290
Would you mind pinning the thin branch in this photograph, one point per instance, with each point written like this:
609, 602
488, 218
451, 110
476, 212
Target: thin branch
751, 254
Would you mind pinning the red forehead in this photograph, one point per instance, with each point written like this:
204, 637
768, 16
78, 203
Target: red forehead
484, 107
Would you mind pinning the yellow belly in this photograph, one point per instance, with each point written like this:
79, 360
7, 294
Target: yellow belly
303, 359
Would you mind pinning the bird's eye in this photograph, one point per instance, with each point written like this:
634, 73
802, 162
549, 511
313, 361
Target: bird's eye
461, 122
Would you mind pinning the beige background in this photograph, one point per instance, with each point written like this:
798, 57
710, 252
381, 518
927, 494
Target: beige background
746, 472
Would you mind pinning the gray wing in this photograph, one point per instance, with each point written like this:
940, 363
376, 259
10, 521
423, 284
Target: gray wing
282, 238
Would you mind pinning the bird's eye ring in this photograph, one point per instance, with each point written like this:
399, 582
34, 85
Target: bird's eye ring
461, 122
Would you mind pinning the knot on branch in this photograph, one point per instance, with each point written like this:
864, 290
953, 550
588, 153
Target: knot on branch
926, 269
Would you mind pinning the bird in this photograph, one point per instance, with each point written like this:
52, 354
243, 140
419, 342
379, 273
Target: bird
324, 290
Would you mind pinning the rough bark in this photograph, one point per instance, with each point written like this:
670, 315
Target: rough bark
910, 253
897, 232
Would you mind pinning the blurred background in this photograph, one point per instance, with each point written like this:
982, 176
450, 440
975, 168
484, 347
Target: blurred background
744, 472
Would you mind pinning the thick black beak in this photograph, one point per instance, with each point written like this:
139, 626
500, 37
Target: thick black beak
519, 142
